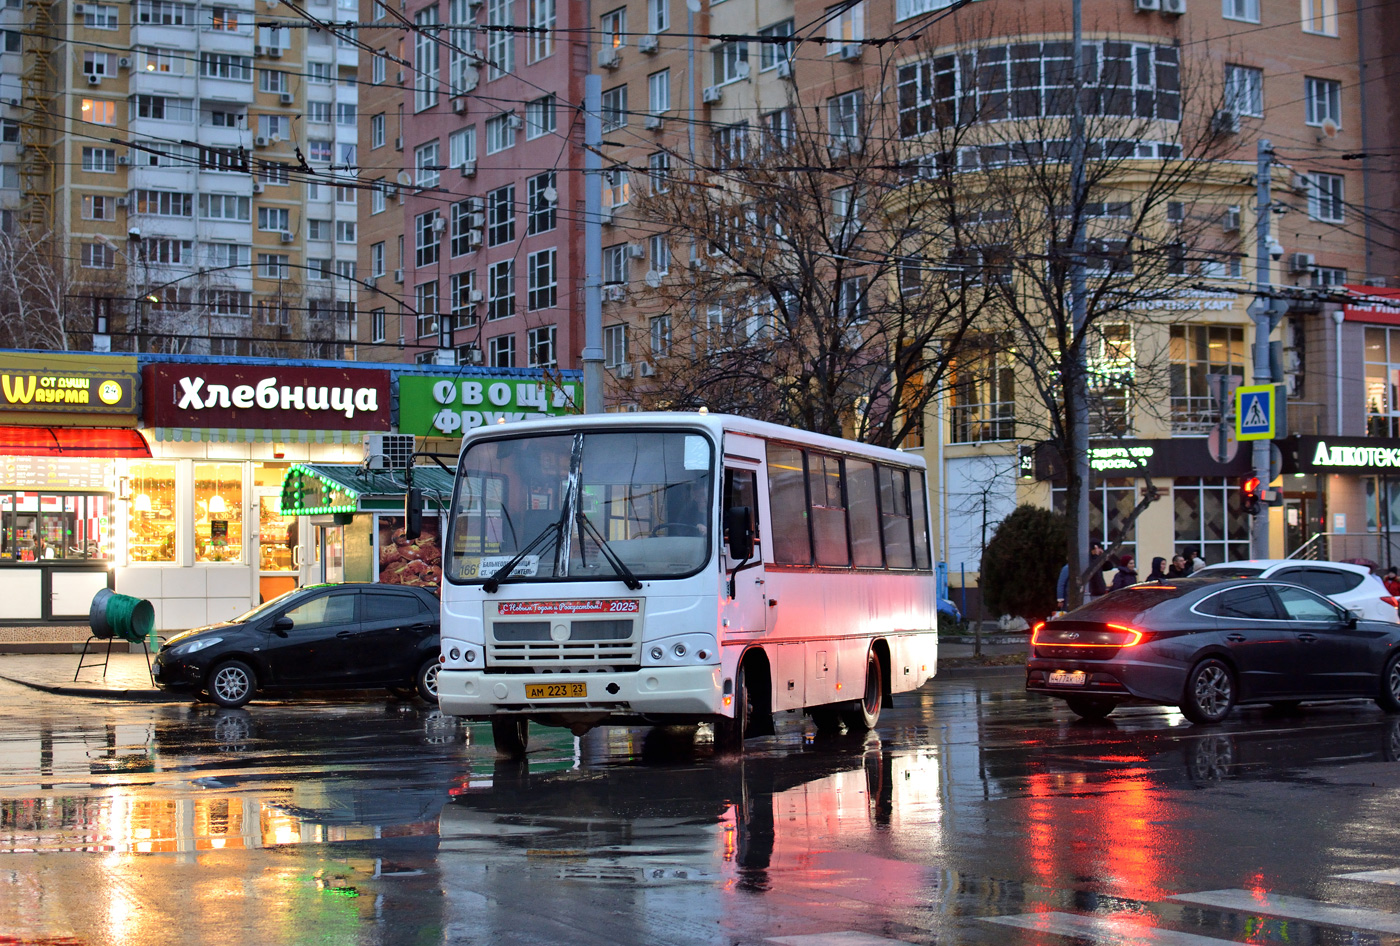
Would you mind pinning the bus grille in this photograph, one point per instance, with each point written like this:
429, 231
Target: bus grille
528, 645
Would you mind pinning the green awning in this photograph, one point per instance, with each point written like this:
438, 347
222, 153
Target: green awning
313, 489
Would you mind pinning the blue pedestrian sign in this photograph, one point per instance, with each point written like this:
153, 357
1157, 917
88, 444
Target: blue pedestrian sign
1254, 412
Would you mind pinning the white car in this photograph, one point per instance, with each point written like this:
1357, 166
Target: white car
1354, 587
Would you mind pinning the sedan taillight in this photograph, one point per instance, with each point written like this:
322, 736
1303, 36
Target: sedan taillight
1107, 635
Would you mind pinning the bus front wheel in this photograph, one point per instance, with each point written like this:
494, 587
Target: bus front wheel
730, 732
511, 735
866, 713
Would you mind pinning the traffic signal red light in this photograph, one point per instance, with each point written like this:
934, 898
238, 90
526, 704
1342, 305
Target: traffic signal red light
1251, 495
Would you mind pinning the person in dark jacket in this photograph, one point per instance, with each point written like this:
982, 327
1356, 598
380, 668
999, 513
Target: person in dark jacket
1159, 569
1178, 568
1097, 588
1127, 574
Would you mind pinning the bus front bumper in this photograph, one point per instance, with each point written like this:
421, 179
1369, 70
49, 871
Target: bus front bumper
669, 691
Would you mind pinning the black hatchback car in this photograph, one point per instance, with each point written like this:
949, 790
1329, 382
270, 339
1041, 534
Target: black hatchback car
343, 636
1206, 645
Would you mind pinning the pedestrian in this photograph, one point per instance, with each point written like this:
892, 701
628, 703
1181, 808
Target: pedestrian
1159, 569
1392, 581
1062, 587
1097, 587
1195, 562
1178, 569
1127, 574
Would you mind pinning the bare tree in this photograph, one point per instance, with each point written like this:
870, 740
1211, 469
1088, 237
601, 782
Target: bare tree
42, 293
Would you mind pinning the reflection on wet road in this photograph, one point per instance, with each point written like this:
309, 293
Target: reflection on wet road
972, 815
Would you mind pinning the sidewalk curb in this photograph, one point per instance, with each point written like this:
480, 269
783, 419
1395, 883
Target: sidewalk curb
101, 693
1014, 671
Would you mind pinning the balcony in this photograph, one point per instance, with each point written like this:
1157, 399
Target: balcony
981, 423
1194, 415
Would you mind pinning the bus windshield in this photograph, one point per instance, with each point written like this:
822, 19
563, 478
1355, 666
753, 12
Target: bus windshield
574, 505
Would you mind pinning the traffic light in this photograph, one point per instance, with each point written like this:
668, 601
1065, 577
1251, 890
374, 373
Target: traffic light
1251, 495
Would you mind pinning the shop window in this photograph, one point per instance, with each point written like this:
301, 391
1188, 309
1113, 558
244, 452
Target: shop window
151, 536
47, 527
1111, 501
1209, 518
218, 512
277, 534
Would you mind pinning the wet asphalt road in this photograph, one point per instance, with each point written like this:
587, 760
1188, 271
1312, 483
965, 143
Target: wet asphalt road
972, 815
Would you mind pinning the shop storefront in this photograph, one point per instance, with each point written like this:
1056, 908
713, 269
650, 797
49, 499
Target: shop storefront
1360, 480
66, 426
206, 537
355, 518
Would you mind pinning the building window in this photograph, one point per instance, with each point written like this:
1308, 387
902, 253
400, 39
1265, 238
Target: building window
1322, 100
1196, 352
103, 160
378, 67
161, 13
659, 92
100, 17
541, 199
218, 505
98, 256
731, 62
150, 515
462, 287
904, 9
273, 266
844, 25
319, 73
983, 404
376, 259
376, 196
318, 269
425, 58
614, 108
376, 131
425, 159
500, 132
1247, 10
274, 218
318, 229
345, 113
94, 64
542, 352
461, 147
659, 330
426, 239
466, 231
614, 28
1381, 356
500, 221
1244, 90
539, 117
226, 66
844, 114
543, 17
1325, 197
1209, 518
345, 231
658, 15
500, 351
225, 207
615, 264
617, 188
425, 301
659, 253
614, 345
781, 50
731, 144
1320, 16
1110, 503
542, 274
99, 112
274, 172
659, 171
500, 284
318, 112
1329, 276
376, 325
500, 44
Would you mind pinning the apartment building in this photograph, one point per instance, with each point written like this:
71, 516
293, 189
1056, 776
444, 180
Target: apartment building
196, 166
471, 234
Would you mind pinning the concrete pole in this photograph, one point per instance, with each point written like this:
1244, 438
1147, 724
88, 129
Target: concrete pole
592, 357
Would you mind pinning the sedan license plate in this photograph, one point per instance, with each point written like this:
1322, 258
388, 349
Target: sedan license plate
556, 691
1067, 678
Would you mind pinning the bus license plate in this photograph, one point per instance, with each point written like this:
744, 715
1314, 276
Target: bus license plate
1067, 678
556, 691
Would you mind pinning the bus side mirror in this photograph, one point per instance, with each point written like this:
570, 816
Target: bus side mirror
412, 513
738, 529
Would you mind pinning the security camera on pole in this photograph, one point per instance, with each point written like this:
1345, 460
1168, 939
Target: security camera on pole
1256, 406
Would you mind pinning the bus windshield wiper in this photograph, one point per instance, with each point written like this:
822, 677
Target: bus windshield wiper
494, 582
628, 578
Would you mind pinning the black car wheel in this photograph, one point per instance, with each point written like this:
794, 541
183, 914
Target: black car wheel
1388, 698
232, 684
865, 714
1210, 692
1089, 708
427, 680
511, 735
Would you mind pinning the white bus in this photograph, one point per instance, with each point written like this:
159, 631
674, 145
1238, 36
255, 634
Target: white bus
669, 568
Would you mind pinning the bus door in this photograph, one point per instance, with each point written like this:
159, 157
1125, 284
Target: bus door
747, 611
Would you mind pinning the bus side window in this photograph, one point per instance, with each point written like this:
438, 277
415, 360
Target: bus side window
741, 489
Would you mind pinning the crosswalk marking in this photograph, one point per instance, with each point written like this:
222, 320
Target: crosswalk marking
1391, 877
842, 938
1107, 930
1296, 908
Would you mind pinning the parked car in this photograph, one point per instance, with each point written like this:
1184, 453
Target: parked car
335, 636
1206, 645
1351, 586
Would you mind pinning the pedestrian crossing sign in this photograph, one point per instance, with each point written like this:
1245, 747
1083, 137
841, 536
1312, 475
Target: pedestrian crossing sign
1254, 412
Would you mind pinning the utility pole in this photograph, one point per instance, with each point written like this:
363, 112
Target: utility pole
592, 358
1077, 392
1265, 310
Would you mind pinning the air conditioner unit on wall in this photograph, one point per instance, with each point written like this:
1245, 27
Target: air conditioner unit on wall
459, 105
784, 68
1173, 7
1301, 262
1147, 6
1230, 219
645, 369
608, 58
389, 451
648, 44
398, 275
1226, 121
614, 293
469, 169
654, 122
712, 94
850, 52
624, 370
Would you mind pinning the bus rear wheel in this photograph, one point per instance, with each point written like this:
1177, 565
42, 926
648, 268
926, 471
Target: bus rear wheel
865, 714
511, 735
731, 732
